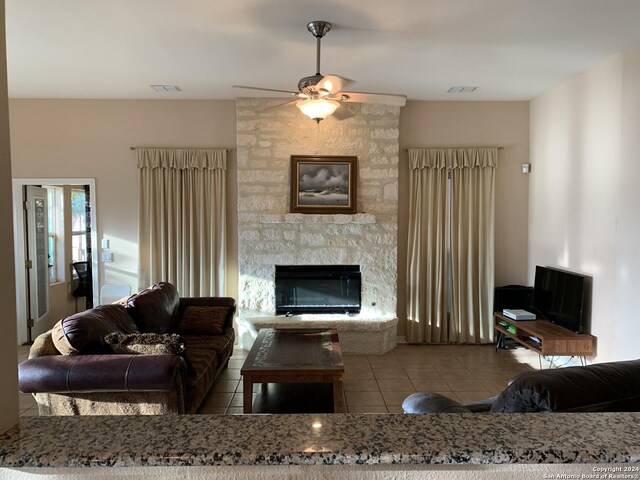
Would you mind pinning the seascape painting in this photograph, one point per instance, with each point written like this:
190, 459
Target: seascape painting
323, 184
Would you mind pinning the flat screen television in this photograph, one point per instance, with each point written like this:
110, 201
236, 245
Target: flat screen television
558, 296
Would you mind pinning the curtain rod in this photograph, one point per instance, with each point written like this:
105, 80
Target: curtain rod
186, 148
407, 149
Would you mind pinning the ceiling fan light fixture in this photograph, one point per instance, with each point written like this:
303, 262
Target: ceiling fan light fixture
317, 108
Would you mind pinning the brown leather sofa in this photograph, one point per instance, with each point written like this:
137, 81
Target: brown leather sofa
73, 370
602, 387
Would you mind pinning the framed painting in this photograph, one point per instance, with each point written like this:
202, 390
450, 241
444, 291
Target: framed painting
323, 184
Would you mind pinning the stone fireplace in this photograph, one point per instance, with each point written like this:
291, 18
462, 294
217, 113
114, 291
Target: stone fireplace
269, 235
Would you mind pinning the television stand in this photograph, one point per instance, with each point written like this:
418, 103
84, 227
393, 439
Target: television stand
551, 340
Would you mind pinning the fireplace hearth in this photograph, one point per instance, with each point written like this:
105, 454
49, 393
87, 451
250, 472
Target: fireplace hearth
302, 289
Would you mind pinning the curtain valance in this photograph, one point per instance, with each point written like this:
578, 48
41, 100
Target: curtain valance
182, 158
451, 158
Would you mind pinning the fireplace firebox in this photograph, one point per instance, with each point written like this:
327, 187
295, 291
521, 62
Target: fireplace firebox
318, 289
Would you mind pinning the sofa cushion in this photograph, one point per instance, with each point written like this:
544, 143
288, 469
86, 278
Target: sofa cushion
222, 345
198, 320
154, 309
602, 387
201, 373
84, 332
146, 343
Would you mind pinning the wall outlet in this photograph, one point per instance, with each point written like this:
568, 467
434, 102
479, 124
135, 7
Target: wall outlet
107, 256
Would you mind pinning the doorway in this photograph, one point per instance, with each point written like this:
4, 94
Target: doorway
55, 300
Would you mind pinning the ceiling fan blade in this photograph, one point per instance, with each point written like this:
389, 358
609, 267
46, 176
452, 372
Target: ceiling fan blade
265, 89
342, 113
278, 105
383, 98
333, 83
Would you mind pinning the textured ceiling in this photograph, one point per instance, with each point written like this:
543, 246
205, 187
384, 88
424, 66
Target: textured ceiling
509, 49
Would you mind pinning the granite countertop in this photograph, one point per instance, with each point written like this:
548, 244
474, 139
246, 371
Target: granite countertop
352, 439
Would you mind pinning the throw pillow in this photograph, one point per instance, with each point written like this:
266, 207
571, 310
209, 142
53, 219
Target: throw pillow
146, 343
201, 320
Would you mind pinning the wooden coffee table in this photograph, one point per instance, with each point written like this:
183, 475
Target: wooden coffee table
294, 356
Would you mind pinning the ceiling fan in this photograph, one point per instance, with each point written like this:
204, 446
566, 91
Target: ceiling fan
319, 96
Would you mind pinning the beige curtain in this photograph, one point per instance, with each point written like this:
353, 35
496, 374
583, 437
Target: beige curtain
182, 220
470, 229
427, 249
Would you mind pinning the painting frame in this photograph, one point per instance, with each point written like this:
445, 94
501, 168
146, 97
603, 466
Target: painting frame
318, 184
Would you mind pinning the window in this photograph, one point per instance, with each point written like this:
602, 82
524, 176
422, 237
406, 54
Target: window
78, 226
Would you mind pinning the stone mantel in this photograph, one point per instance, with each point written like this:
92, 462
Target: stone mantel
339, 219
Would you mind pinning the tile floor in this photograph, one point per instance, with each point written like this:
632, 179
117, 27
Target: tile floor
379, 384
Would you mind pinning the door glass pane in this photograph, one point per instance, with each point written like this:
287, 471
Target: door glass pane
78, 211
51, 215
41, 261
78, 226
79, 247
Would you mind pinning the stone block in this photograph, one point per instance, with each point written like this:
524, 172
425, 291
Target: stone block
379, 238
271, 218
385, 133
291, 236
391, 192
309, 239
260, 152
245, 140
323, 256
271, 234
249, 235
245, 218
371, 173
247, 125
261, 176
254, 189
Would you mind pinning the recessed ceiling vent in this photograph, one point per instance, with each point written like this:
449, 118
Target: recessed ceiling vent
166, 88
461, 89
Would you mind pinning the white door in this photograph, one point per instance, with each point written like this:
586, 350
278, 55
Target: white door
37, 249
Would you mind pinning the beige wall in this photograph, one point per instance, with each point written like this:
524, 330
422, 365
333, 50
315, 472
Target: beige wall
584, 193
91, 138
8, 350
473, 124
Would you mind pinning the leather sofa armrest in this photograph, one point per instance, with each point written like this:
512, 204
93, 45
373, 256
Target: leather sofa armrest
101, 373
427, 402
